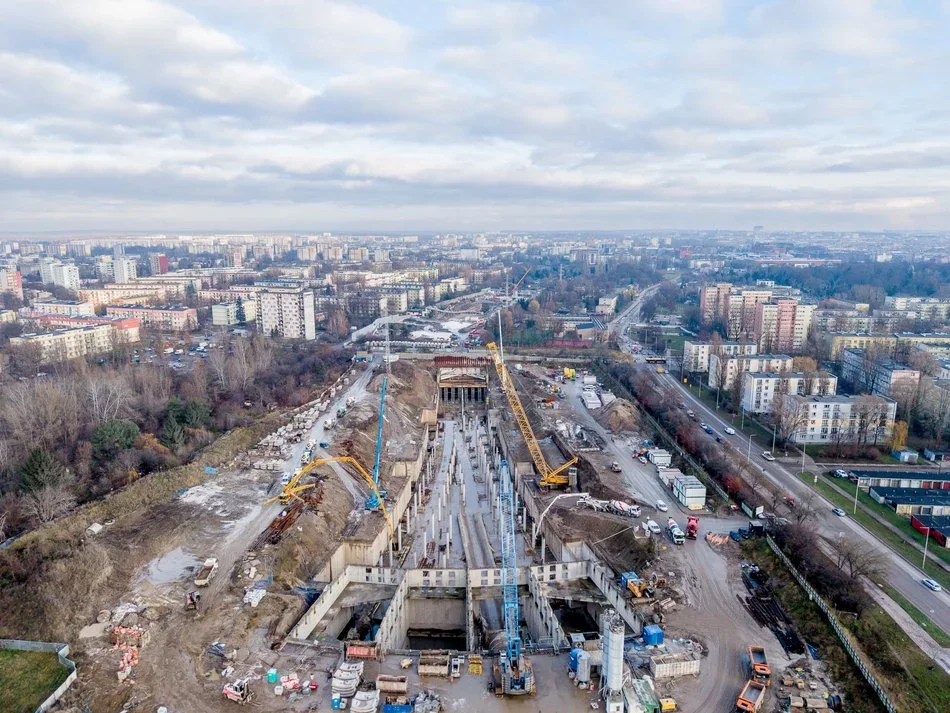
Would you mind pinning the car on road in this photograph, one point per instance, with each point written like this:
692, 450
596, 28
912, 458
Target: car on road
932, 585
708, 430
643, 459
768, 456
703, 425
839, 473
653, 527
729, 430
839, 512
662, 506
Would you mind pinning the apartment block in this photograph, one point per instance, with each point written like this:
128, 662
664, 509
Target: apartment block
158, 264
227, 314
935, 309
606, 305
842, 419
738, 365
782, 325
837, 342
11, 282
286, 313
125, 269
759, 388
69, 308
75, 342
696, 354
54, 272
877, 374
734, 307
113, 294
170, 318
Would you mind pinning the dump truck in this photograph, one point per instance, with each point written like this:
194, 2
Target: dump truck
751, 698
759, 665
692, 527
207, 572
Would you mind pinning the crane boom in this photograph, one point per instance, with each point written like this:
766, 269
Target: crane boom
509, 566
549, 476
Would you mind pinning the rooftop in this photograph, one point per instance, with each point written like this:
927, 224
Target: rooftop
913, 496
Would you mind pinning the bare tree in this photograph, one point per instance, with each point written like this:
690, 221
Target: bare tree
106, 398
788, 416
856, 557
48, 503
806, 509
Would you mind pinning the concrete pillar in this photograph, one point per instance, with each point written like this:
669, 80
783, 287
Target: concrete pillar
425, 540
524, 519
542, 549
399, 535
390, 553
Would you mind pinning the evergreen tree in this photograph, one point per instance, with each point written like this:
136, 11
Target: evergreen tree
113, 436
241, 316
173, 435
41, 470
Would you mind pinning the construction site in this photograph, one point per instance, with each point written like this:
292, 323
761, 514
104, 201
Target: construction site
441, 533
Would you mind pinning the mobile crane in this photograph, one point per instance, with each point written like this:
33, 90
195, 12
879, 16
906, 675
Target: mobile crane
374, 501
550, 477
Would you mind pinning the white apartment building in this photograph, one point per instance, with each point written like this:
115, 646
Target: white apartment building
69, 308
54, 272
735, 366
63, 344
226, 314
842, 419
287, 313
696, 354
879, 375
124, 269
174, 318
759, 388
112, 294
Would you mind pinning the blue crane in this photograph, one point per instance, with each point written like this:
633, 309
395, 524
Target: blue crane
517, 676
372, 502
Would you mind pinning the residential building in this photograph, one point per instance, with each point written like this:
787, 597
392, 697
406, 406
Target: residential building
782, 325
696, 354
733, 366
127, 328
105, 268
287, 313
125, 269
169, 318
841, 419
54, 272
606, 305
75, 342
118, 293
227, 314
11, 282
365, 306
837, 342
733, 307
70, 308
877, 374
158, 263
759, 388
936, 309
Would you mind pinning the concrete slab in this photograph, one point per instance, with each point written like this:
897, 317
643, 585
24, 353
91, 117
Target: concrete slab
94, 631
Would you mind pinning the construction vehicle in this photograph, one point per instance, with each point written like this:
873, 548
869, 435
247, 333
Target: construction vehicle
341, 412
207, 572
550, 477
570, 373
293, 489
375, 499
692, 527
238, 691
759, 666
667, 705
615, 467
513, 673
675, 533
751, 697
632, 582
193, 600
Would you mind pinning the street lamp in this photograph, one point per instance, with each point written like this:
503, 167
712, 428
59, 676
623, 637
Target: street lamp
748, 455
857, 484
773, 439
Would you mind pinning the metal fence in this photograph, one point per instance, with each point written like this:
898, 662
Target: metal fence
62, 652
843, 634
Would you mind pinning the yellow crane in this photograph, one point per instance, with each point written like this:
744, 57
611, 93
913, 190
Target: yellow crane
550, 477
293, 488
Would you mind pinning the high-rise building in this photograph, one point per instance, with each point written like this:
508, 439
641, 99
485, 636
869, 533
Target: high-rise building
158, 264
11, 282
125, 270
287, 313
782, 325
733, 307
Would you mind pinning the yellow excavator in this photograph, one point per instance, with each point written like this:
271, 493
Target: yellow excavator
292, 489
550, 477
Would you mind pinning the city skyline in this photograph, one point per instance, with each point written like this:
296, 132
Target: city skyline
207, 115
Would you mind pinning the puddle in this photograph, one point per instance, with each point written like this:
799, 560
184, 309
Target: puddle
170, 567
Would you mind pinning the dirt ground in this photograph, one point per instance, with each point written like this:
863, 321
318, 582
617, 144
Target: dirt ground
618, 416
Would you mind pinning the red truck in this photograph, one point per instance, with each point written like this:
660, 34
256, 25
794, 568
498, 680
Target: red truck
692, 527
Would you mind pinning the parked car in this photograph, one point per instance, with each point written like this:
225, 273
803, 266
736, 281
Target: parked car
662, 506
768, 456
839, 512
703, 425
643, 459
839, 473
930, 584
653, 527
730, 431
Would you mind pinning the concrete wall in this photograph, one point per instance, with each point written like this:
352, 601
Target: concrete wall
543, 624
438, 614
393, 627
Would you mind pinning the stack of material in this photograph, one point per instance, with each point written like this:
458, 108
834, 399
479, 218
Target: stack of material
253, 596
346, 678
129, 640
427, 702
290, 682
365, 702
392, 684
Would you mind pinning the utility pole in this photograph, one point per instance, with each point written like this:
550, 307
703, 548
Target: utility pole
773, 439
923, 564
857, 484
748, 455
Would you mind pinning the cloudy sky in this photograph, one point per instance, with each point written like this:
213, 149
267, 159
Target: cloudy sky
436, 114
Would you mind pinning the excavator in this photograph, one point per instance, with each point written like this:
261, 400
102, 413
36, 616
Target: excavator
292, 489
550, 477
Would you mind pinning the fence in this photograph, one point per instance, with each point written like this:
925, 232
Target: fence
839, 630
61, 650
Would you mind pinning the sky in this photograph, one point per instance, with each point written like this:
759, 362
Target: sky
178, 115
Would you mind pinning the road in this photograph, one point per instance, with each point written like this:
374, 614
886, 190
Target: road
631, 315
900, 574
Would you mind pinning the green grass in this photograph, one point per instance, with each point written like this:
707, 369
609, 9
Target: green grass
899, 545
819, 453
938, 634
27, 678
